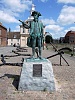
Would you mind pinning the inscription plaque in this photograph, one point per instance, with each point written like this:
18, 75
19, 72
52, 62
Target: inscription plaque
37, 70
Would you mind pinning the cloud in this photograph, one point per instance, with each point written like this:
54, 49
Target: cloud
66, 1
62, 33
55, 28
17, 5
4, 17
67, 15
47, 21
44, 0
12, 9
70, 29
58, 35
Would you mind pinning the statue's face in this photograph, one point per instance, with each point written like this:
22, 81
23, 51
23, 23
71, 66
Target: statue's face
35, 17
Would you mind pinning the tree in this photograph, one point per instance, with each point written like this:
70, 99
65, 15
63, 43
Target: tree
48, 39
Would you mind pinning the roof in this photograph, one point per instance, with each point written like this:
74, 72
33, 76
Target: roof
73, 32
70, 33
2, 26
13, 35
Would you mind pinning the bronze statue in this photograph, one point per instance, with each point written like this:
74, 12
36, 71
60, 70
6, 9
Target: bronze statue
36, 34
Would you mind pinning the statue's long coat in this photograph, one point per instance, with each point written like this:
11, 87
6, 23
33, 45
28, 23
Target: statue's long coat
33, 33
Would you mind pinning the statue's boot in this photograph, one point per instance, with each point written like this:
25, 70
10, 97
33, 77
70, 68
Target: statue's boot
40, 57
33, 53
32, 57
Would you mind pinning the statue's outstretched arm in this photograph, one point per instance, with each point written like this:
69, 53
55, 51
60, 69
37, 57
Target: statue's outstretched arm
25, 24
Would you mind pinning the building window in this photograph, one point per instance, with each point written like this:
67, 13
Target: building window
11, 44
23, 30
14, 36
23, 39
17, 44
11, 40
0, 32
17, 40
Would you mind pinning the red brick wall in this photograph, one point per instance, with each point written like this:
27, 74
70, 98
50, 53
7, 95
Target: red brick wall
70, 37
3, 36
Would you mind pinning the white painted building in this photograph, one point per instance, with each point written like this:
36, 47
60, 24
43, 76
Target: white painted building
23, 36
13, 38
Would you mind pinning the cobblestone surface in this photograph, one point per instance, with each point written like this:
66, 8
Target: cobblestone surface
64, 78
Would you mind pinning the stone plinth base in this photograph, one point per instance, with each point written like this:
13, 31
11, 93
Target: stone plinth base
37, 75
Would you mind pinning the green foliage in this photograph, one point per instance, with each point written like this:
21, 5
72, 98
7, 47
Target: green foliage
48, 39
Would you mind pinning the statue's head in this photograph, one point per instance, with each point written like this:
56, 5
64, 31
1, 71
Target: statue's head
36, 15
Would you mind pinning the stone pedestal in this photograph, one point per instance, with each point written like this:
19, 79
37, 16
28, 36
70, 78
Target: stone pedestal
37, 75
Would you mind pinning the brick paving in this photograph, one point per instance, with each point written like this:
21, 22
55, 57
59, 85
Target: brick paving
64, 78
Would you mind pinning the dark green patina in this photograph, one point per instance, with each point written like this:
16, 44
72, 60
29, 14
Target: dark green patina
36, 34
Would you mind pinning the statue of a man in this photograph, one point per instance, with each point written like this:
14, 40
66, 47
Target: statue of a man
36, 34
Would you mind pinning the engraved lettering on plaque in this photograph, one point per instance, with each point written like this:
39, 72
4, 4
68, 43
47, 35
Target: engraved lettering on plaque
37, 70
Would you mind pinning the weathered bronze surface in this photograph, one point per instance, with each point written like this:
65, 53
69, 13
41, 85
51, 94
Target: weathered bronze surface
36, 33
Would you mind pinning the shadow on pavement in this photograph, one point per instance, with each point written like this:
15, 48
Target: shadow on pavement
15, 79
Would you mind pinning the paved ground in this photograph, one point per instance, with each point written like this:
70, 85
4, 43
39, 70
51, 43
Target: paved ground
64, 78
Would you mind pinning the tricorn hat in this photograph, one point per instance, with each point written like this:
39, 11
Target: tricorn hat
35, 12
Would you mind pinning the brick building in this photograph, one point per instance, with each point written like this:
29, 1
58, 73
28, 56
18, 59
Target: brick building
3, 35
70, 37
13, 38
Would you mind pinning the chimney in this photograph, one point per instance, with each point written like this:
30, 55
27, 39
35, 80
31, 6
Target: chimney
9, 30
0, 23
